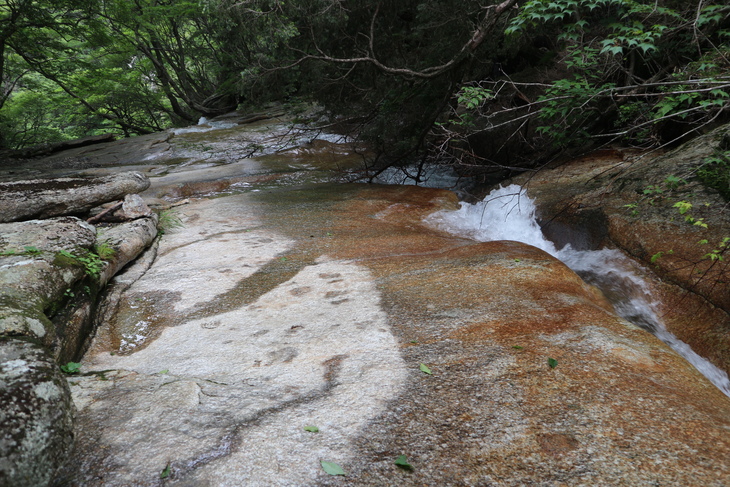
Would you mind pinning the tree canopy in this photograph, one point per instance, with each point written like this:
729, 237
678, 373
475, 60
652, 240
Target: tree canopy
494, 86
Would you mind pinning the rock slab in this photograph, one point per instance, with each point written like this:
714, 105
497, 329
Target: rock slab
45, 198
35, 413
316, 307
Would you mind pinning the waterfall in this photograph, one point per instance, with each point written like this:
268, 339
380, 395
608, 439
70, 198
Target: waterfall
509, 214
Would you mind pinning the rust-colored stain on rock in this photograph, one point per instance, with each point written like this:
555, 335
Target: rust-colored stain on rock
556, 444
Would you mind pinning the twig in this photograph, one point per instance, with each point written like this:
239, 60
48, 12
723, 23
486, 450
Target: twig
102, 214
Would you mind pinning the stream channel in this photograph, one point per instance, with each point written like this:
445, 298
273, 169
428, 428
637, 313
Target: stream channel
289, 300
508, 213
505, 214
204, 154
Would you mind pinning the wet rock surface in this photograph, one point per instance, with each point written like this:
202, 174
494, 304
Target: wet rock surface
328, 301
287, 301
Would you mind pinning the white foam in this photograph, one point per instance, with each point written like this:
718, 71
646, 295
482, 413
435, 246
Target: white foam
204, 125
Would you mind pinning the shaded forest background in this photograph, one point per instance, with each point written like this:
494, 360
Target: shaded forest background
492, 87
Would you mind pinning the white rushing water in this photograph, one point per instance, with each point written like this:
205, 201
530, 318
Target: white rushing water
509, 214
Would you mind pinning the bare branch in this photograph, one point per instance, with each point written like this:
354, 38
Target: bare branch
484, 28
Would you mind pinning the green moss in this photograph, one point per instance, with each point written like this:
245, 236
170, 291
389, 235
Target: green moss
715, 173
90, 261
65, 260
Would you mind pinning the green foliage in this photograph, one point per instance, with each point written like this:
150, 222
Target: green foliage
80, 68
535, 12
311, 429
169, 220
91, 262
655, 193
105, 251
611, 48
683, 208
71, 368
673, 182
332, 468
633, 207
568, 106
33, 117
716, 254
166, 472
473, 97
659, 255
402, 462
552, 363
715, 173
425, 369
27, 250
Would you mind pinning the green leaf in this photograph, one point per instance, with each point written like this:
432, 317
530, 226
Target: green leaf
517, 347
682, 206
424, 368
165, 371
311, 429
647, 47
166, 472
402, 462
332, 468
71, 368
552, 363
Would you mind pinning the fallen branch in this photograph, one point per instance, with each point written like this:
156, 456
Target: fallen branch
102, 214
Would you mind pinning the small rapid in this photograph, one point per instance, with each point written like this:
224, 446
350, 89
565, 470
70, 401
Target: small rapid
509, 214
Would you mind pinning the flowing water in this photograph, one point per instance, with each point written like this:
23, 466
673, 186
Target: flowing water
509, 214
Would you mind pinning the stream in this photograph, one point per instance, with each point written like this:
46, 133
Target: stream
508, 213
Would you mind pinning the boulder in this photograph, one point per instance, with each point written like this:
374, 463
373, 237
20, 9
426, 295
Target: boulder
51, 275
35, 413
44, 198
133, 207
37, 279
127, 240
